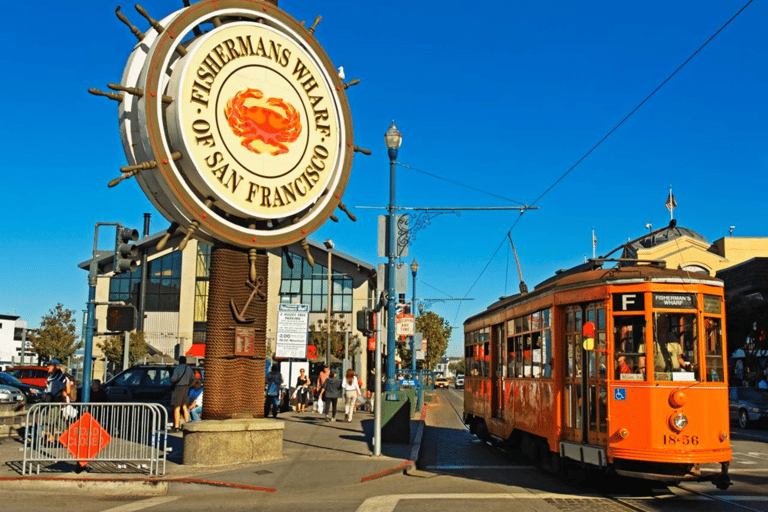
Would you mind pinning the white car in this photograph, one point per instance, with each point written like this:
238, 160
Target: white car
459, 382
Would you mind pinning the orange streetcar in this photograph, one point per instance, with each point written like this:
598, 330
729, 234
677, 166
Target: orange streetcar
621, 369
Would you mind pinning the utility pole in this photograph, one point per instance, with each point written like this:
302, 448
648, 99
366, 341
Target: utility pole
143, 289
393, 139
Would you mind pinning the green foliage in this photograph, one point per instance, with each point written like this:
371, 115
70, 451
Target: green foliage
318, 336
457, 367
56, 336
112, 347
437, 331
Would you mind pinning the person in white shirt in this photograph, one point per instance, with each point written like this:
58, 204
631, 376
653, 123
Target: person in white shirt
351, 392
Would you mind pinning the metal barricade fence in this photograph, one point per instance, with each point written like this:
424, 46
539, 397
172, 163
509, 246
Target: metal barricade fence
121, 433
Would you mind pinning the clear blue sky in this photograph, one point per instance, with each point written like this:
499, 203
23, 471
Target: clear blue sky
505, 97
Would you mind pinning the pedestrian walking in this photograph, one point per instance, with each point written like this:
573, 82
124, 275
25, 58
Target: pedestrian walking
321, 378
195, 404
351, 387
330, 394
181, 380
274, 382
302, 391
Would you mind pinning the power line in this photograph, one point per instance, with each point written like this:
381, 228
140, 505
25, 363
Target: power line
662, 84
616, 127
460, 184
437, 289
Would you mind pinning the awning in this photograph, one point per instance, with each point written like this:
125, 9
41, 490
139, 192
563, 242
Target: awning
196, 350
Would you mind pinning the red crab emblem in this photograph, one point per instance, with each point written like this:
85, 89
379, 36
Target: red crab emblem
265, 123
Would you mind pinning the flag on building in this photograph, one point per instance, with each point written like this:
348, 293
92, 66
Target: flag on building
594, 244
671, 203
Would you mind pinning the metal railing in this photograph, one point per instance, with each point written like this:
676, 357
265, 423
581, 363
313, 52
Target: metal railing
132, 436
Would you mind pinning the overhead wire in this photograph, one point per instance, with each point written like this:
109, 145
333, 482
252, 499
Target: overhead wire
470, 187
605, 137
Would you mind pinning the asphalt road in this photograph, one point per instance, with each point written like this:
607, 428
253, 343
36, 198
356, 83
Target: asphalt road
456, 472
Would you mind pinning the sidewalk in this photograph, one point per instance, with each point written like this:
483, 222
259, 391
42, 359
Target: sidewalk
311, 446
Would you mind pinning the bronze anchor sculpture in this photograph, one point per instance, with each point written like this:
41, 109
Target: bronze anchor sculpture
256, 290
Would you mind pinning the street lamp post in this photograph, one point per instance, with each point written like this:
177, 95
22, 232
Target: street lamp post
393, 139
414, 269
329, 246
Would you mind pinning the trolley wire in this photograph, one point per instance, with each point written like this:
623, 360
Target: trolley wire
470, 187
605, 137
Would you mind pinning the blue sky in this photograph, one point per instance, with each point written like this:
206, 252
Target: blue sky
505, 97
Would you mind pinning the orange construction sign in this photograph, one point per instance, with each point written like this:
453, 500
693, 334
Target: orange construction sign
85, 438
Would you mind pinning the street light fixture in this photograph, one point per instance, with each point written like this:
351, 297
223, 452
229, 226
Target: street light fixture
414, 269
329, 246
393, 139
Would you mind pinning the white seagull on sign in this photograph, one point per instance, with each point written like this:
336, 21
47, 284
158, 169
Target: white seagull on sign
341, 72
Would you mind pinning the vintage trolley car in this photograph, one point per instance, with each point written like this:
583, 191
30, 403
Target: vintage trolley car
621, 369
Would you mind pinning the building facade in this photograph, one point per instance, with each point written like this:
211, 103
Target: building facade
175, 319
11, 337
685, 249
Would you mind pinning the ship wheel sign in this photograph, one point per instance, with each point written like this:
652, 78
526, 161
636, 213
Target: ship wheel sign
235, 124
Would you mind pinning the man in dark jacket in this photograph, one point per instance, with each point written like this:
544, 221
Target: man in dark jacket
330, 394
181, 380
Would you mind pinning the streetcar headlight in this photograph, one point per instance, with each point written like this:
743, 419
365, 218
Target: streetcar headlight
678, 422
624, 433
723, 435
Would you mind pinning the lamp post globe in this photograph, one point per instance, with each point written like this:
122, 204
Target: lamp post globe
393, 139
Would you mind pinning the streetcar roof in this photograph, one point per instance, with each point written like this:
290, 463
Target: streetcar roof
590, 276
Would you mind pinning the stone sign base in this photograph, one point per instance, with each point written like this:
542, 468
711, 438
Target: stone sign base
224, 442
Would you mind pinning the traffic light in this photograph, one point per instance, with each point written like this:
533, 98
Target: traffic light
126, 252
121, 318
365, 322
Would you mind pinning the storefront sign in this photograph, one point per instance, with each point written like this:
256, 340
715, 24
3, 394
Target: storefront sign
292, 331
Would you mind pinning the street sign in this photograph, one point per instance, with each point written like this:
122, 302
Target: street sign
292, 331
121, 318
421, 355
85, 438
401, 236
401, 278
405, 325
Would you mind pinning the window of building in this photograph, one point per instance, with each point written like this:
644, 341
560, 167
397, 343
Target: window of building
163, 284
202, 277
310, 286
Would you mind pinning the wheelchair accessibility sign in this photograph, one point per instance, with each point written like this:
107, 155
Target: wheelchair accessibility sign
620, 394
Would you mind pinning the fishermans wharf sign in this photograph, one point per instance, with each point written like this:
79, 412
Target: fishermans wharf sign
236, 124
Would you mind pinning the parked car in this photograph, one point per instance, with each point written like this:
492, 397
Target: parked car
143, 384
441, 382
747, 405
33, 394
459, 382
11, 397
33, 375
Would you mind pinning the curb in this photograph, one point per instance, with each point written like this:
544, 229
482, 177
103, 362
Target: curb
114, 486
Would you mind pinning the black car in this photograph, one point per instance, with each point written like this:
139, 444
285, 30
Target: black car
33, 393
143, 384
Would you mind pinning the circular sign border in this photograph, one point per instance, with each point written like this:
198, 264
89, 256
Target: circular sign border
207, 218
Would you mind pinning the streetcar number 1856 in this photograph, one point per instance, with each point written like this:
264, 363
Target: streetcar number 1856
683, 440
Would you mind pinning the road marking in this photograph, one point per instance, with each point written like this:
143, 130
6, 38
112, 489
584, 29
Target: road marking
141, 505
478, 467
389, 503
746, 462
747, 471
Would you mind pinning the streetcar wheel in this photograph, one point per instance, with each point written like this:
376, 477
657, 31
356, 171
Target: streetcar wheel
482, 431
743, 418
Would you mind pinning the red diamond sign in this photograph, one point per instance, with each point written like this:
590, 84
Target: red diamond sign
85, 438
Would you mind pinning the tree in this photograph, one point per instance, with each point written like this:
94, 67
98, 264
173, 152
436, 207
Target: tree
112, 347
56, 336
436, 330
339, 326
457, 367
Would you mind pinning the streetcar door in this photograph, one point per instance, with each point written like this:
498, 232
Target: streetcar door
595, 378
573, 405
585, 386
497, 371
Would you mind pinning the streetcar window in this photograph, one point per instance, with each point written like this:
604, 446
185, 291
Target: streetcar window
629, 347
536, 354
675, 353
527, 356
546, 318
546, 353
713, 348
486, 359
511, 357
518, 356
601, 319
